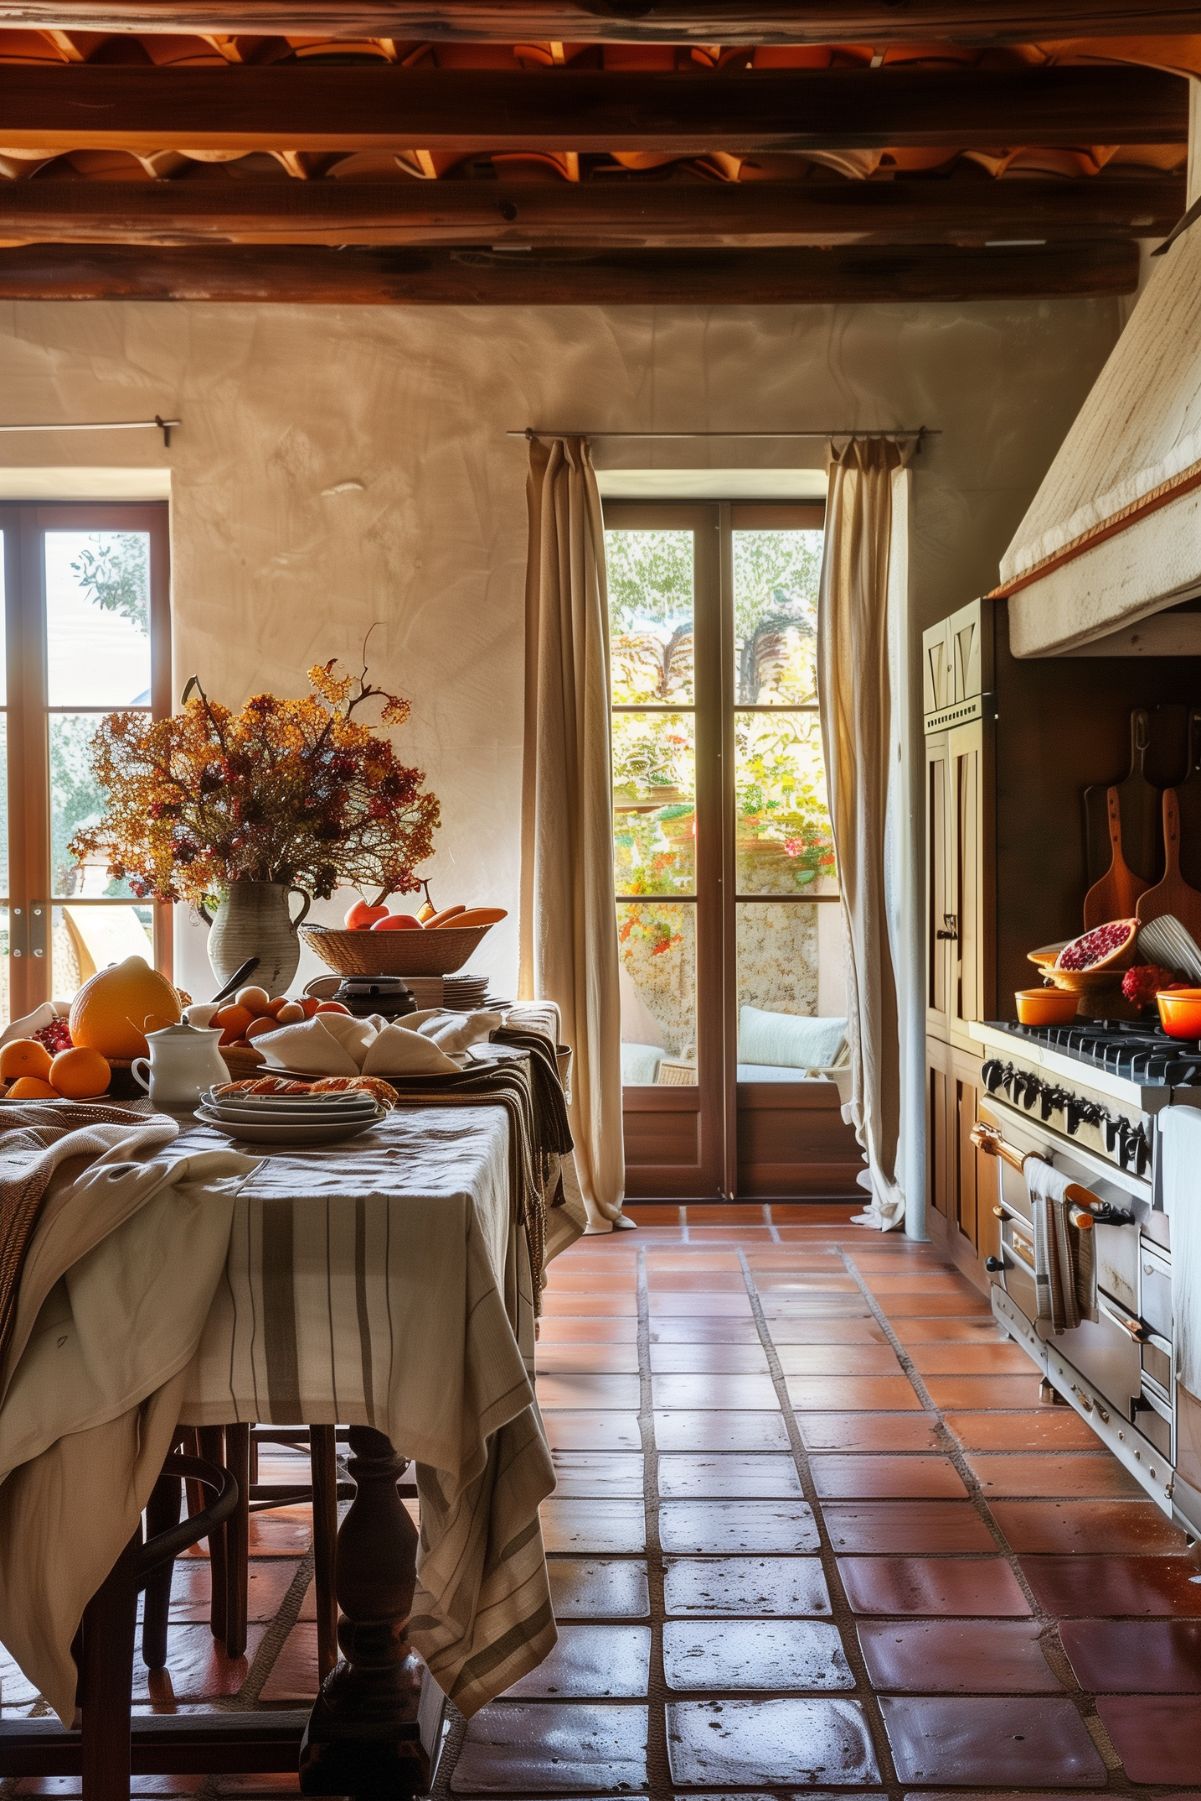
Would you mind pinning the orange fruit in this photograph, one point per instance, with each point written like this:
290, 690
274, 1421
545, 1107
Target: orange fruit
255, 1000
31, 1088
290, 1014
233, 1021
310, 1004
331, 1007
273, 1006
24, 1057
80, 1073
107, 1012
257, 1027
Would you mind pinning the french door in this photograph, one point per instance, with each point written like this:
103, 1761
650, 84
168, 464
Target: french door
729, 924
86, 631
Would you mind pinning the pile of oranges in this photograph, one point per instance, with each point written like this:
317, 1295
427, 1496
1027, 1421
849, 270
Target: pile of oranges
32, 1074
253, 1011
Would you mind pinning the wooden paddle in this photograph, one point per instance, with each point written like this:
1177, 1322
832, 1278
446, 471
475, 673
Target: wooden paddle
1173, 894
1116, 894
1138, 804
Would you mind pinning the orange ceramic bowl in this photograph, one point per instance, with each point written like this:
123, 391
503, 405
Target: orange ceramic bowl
1180, 1011
1046, 1006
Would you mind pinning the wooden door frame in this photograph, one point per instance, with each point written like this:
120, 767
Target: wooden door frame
23, 525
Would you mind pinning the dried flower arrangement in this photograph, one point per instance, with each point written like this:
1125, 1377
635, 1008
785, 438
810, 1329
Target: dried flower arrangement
298, 792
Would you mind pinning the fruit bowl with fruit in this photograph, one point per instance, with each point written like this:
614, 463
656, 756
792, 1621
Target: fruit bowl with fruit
377, 941
251, 1014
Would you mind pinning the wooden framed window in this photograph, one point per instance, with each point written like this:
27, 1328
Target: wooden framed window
87, 631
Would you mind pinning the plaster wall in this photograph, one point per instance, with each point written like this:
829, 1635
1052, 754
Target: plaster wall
342, 468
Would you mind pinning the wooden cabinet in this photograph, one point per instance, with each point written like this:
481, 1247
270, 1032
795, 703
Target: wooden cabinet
959, 1190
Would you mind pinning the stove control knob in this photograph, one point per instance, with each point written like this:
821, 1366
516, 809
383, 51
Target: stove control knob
1140, 1151
1115, 1129
1033, 1089
1052, 1098
1073, 1114
993, 1074
994, 1265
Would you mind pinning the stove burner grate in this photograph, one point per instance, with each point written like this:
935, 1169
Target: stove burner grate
1126, 1048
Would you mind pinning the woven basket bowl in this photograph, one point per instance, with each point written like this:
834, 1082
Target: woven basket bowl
437, 953
242, 1061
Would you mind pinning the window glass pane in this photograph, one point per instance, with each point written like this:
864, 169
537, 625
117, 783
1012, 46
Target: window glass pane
792, 997
776, 577
84, 939
782, 837
649, 580
654, 803
3, 802
75, 801
3, 631
657, 947
98, 618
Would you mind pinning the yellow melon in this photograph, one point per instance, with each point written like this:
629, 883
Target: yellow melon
108, 1012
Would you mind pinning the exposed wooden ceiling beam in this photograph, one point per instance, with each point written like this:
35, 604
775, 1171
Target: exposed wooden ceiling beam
382, 107
597, 213
441, 278
623, 21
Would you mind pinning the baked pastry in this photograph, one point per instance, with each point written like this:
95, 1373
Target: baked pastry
382, 1091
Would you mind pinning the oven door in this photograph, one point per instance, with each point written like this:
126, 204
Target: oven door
1104, 1351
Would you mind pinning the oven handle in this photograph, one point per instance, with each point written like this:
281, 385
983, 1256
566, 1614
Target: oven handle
1089, 1209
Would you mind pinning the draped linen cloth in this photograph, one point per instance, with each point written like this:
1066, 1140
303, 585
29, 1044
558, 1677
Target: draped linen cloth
856, 710
568, 936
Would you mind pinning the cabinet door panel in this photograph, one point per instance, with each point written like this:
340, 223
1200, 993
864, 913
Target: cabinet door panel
968, 901
938, 1144
939, 948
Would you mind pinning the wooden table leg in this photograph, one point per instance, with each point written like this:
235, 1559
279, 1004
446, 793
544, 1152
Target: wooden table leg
363, 1737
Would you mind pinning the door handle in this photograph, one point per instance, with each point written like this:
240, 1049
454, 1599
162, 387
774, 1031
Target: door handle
949, 927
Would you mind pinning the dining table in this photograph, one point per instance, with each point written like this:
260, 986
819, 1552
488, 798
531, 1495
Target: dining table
389, 1286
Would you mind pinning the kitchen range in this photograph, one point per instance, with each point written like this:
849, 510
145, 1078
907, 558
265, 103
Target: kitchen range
1090, 1097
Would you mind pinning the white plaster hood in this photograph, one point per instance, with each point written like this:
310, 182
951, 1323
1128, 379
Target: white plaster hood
1114, 532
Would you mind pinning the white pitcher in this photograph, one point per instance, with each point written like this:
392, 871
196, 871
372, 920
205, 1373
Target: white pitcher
184, 1061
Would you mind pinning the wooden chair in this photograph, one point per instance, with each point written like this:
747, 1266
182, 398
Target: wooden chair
106, 1637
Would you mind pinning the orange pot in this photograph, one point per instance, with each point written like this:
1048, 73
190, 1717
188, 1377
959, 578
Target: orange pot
1180, 1011
1046, 1006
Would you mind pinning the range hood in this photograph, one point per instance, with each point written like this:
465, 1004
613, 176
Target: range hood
1114, 533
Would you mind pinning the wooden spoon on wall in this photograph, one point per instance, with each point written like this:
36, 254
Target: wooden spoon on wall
1116, 894
1173, 894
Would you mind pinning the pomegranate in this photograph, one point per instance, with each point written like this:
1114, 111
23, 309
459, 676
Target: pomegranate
56, 1036
1110, 946
1143, 982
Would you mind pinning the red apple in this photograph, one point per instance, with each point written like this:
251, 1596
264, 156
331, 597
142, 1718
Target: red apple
397, 922
362, 916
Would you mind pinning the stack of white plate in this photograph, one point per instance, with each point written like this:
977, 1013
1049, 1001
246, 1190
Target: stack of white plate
291, 1119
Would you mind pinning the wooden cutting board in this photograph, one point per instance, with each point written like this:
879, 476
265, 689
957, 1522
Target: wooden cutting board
1173, 894
1139, 808
1116, 895
1188, 797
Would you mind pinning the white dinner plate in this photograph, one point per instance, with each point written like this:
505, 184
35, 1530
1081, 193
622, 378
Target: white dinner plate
286, 1116
299, 1132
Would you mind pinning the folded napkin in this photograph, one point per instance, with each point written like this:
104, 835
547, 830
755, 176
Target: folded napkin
334, 1044
453, 1032
1065, 1260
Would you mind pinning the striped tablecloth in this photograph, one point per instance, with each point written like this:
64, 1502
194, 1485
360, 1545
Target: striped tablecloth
387, 1283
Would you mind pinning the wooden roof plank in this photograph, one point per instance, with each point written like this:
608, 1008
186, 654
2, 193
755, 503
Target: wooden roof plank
385, 107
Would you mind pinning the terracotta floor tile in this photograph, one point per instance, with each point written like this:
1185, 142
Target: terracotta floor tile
587, 1329
955, 1358
667, 1328
196, 1670
725, 1527
293, 1677
705, 1304
591, 1663
598, 1473
991, 1741
976, 1329
694, 1260
1102, 1526
778, 1655
729, 1235
800, 1328
813, 1213
535, 1747
590, 1588
927, 1282
712, 1359
727, 1477
1157, 1738
813, 1306
281, 1532
869, 1431
794, 1257
593, 1431
921, 1657
903, 1478
745, 1586
583, 1526
705, 1431
673, 1279
780, 1743
1092, 1475
937, 1585
924, 1305
732, 1393
852, 1394
1154, 1657
726, 1213
606, 1359
775, 1284
601, 1304
1050, 1429
268, 1581
838, 1360
655, 1213
925, 1527
984, 1392
583, 1275
1092, 1586
579, 1388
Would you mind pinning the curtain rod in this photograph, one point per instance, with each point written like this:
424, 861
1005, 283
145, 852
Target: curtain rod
917, 431
155, 424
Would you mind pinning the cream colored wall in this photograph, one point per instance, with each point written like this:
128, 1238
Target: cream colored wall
339, 467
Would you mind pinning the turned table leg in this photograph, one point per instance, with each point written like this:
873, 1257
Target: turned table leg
363, 1737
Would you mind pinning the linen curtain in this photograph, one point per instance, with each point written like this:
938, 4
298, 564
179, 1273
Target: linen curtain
858, 739
568, 932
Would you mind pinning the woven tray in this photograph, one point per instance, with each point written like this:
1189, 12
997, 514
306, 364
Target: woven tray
241, 1060
437, 953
